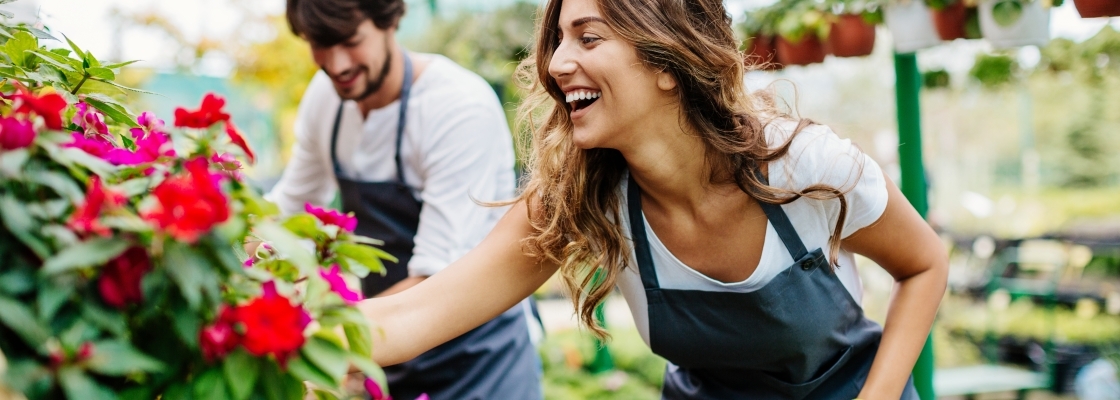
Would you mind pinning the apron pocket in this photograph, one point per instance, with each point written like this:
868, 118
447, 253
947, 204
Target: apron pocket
799, 390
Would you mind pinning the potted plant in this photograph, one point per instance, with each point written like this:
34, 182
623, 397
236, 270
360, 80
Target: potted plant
852, 33
910, 24
802, 30
1097, 8
1013, 23
759, 29
955, 19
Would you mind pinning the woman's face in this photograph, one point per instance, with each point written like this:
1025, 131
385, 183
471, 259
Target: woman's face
609, 91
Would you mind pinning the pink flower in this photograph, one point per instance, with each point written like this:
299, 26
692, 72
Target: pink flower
150, 122
119, 283
375, 391
217, 340
248, 263
334, 277
91, 120
148, 148
15, 133
332, 217
96, 146
84, 220
227, 163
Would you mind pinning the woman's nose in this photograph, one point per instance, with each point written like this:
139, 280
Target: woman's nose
563, 63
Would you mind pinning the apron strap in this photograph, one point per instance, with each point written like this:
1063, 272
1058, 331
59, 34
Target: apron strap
406, 90
782, 225
638, 234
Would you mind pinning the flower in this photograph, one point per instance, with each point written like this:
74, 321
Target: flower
332, 217
272, 324
338, 285
149, 148
119, 283
219, 339
150, 122
49, 106
227, 163
91, 120
375, 391
238, 140
96, 146
15, 133
209, 113
189, 206
84, 219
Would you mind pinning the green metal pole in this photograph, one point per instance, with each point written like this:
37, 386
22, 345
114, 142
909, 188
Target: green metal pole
602, 361
907, 87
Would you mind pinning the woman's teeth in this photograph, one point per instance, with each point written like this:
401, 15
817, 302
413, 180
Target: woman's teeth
582, 95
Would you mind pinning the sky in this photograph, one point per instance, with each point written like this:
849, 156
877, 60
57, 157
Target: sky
91, 24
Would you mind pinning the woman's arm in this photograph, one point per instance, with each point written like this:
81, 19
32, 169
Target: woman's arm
904, 245
475, 289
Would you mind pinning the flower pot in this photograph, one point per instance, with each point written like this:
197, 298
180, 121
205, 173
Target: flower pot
911, 26
950, 21
807, 51
1097, 8
1031, 28
761, 55
851, 36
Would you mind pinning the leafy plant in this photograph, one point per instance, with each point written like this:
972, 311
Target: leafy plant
993, 70
803, 19
120, 269
935, 79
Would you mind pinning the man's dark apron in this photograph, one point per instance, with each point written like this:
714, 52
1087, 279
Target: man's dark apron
493, 361
801, 336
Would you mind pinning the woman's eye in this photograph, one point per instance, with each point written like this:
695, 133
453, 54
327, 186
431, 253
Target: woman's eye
589, 39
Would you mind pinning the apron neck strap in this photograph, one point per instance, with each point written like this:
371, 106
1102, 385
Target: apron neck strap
406, 90
781, 223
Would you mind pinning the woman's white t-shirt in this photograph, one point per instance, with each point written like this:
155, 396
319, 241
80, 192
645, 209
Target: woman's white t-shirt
816, 156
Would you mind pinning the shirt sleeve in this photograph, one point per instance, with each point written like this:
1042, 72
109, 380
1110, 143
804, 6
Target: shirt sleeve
467, 156
822, 157
308, 177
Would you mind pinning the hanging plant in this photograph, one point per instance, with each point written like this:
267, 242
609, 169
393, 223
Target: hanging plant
1013, 23
801, 34
993, 70
852, 33
1096, 8
910, 24
759, 29
954, 19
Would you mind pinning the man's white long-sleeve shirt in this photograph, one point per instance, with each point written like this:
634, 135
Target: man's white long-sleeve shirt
456, 150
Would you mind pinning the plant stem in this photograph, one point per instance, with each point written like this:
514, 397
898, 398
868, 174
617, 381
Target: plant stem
80, 83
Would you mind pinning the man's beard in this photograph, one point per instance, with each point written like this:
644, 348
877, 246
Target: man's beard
373, 85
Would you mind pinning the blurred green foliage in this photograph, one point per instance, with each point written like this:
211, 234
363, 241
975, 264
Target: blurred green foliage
994, 70
567, 355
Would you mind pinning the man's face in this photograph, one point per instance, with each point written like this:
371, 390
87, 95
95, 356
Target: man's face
358, 66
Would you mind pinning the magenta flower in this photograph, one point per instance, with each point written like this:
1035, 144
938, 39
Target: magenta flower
148, 148
15, 134
338, 285
90, 119
375, 391
95, 146
248, 263
332, 217
227, 164
150, 122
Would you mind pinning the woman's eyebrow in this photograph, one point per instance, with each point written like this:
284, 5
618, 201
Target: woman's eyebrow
585, 20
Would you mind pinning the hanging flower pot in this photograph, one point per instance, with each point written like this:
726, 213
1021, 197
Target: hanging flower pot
950, 20
851, 36
1013, 23
1097, 8
911, 26
760, 54
809, 50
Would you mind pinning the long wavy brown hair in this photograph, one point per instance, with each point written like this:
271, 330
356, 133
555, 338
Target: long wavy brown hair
574, 192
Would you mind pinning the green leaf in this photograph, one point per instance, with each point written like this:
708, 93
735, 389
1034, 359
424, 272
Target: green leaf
278, 385
39, 33
241, 371
117, 112
108, 320
4, 32
17, 47
70, 156
192, 272
136, 393
304, 225
178, 391
70, 97
1007, 12
20, 319
126, 222
133, 187
77, 385
369, 368
17, 281
117, 85
49, 209
321, 394
326, 355
78, 51
6, 14
287, 245
359, 338
61, 183
12, 161
51, 297
54, 59
93, 252
120, 64
304, 370
211, 385
19, 223
101, 73
118, 358
364, 239
187, 324
366, 255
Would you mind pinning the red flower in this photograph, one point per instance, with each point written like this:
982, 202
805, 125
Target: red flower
237, 139
209, 113
189, 205
219, 339
84, 220
119, 283
332, 217
272, 325
96, 146
48, 106
15, 134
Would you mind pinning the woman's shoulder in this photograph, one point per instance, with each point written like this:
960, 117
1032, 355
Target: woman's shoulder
816, 155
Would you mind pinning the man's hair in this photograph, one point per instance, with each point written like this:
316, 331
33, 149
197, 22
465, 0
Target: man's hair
330, 22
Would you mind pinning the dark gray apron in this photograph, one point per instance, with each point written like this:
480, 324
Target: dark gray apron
493, 361
799, 337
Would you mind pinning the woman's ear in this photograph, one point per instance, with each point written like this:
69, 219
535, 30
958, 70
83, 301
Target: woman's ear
666, 81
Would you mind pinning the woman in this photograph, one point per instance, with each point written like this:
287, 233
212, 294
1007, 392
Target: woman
728, 228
